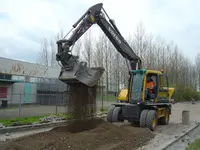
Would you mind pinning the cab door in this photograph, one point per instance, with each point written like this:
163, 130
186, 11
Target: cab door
163, 89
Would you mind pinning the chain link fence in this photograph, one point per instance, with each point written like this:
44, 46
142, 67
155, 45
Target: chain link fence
40, 103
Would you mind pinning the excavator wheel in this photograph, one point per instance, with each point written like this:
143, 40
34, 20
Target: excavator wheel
110, 113
143, 117
152, 120
165, 120
116, 117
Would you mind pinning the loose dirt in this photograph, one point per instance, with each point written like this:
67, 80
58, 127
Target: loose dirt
99, 135
82, 101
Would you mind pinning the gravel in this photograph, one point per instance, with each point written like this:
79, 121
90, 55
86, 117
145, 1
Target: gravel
51, 118
1, 126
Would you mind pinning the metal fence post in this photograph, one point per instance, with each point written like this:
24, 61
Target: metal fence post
56, 101
66, 98
20, 104
102, 99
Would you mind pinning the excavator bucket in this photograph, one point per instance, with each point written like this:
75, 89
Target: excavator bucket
82, 74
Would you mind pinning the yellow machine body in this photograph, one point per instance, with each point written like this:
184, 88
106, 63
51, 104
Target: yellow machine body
123, 95
165, 92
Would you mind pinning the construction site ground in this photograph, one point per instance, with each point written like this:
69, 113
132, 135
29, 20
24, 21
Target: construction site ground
104, 136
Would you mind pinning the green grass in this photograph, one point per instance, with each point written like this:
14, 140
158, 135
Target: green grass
103, 110
28, 120
194, 145
106, 98
33, 119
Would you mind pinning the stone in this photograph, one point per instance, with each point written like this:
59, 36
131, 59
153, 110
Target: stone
1, 125
7, 134
185, 117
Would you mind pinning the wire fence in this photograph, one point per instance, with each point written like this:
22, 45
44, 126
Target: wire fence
43, 103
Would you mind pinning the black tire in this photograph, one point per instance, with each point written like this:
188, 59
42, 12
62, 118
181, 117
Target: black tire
110, 113
116, 115
143, 117
165, 120
150, 118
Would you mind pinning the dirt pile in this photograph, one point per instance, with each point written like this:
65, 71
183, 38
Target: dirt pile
79, 125
100, 135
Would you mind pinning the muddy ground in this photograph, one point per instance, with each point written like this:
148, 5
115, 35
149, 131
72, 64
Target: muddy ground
97, 135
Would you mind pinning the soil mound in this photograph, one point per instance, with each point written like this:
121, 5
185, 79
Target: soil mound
101, 135
79, 125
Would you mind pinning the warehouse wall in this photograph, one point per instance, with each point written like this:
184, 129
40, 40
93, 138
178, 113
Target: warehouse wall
27, 69
24, 92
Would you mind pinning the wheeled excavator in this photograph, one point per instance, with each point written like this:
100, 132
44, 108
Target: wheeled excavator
141, 107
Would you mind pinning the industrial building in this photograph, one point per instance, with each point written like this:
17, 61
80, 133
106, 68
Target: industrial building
24, 82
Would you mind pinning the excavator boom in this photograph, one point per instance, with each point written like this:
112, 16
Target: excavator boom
75, 71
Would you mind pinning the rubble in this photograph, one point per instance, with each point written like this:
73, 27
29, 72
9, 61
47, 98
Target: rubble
1, 126
51, 118
7, 134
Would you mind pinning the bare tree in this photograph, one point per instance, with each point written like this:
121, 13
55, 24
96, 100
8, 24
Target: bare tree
77, 48
44, 54
198, 68
43, 60
47, 54
59, 35
53, 62
140, 41
87, 47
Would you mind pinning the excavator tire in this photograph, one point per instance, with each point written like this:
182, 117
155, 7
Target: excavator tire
143, 117
151, 120
116, 115
165, 120
110, 113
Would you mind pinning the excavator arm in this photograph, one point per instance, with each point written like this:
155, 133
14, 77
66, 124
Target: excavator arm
75, 71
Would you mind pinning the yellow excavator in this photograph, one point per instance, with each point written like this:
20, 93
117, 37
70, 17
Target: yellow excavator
139, 104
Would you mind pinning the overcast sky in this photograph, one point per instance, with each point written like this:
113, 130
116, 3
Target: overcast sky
23, 23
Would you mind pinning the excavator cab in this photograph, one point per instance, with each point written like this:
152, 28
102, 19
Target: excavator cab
138, 92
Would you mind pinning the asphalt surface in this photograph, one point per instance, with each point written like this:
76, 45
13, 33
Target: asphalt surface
37, 110
175, 127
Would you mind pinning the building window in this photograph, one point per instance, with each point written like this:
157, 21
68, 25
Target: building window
15, 77
21, 78
5, 76
32, 79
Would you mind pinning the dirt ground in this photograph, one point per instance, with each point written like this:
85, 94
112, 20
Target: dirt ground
97, 135
108, 136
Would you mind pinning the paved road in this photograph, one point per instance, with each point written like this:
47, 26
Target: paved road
40, 110
168, 132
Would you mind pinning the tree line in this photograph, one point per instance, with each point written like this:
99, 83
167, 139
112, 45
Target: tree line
155, 53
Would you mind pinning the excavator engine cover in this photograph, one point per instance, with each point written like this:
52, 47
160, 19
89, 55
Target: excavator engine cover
81, 73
